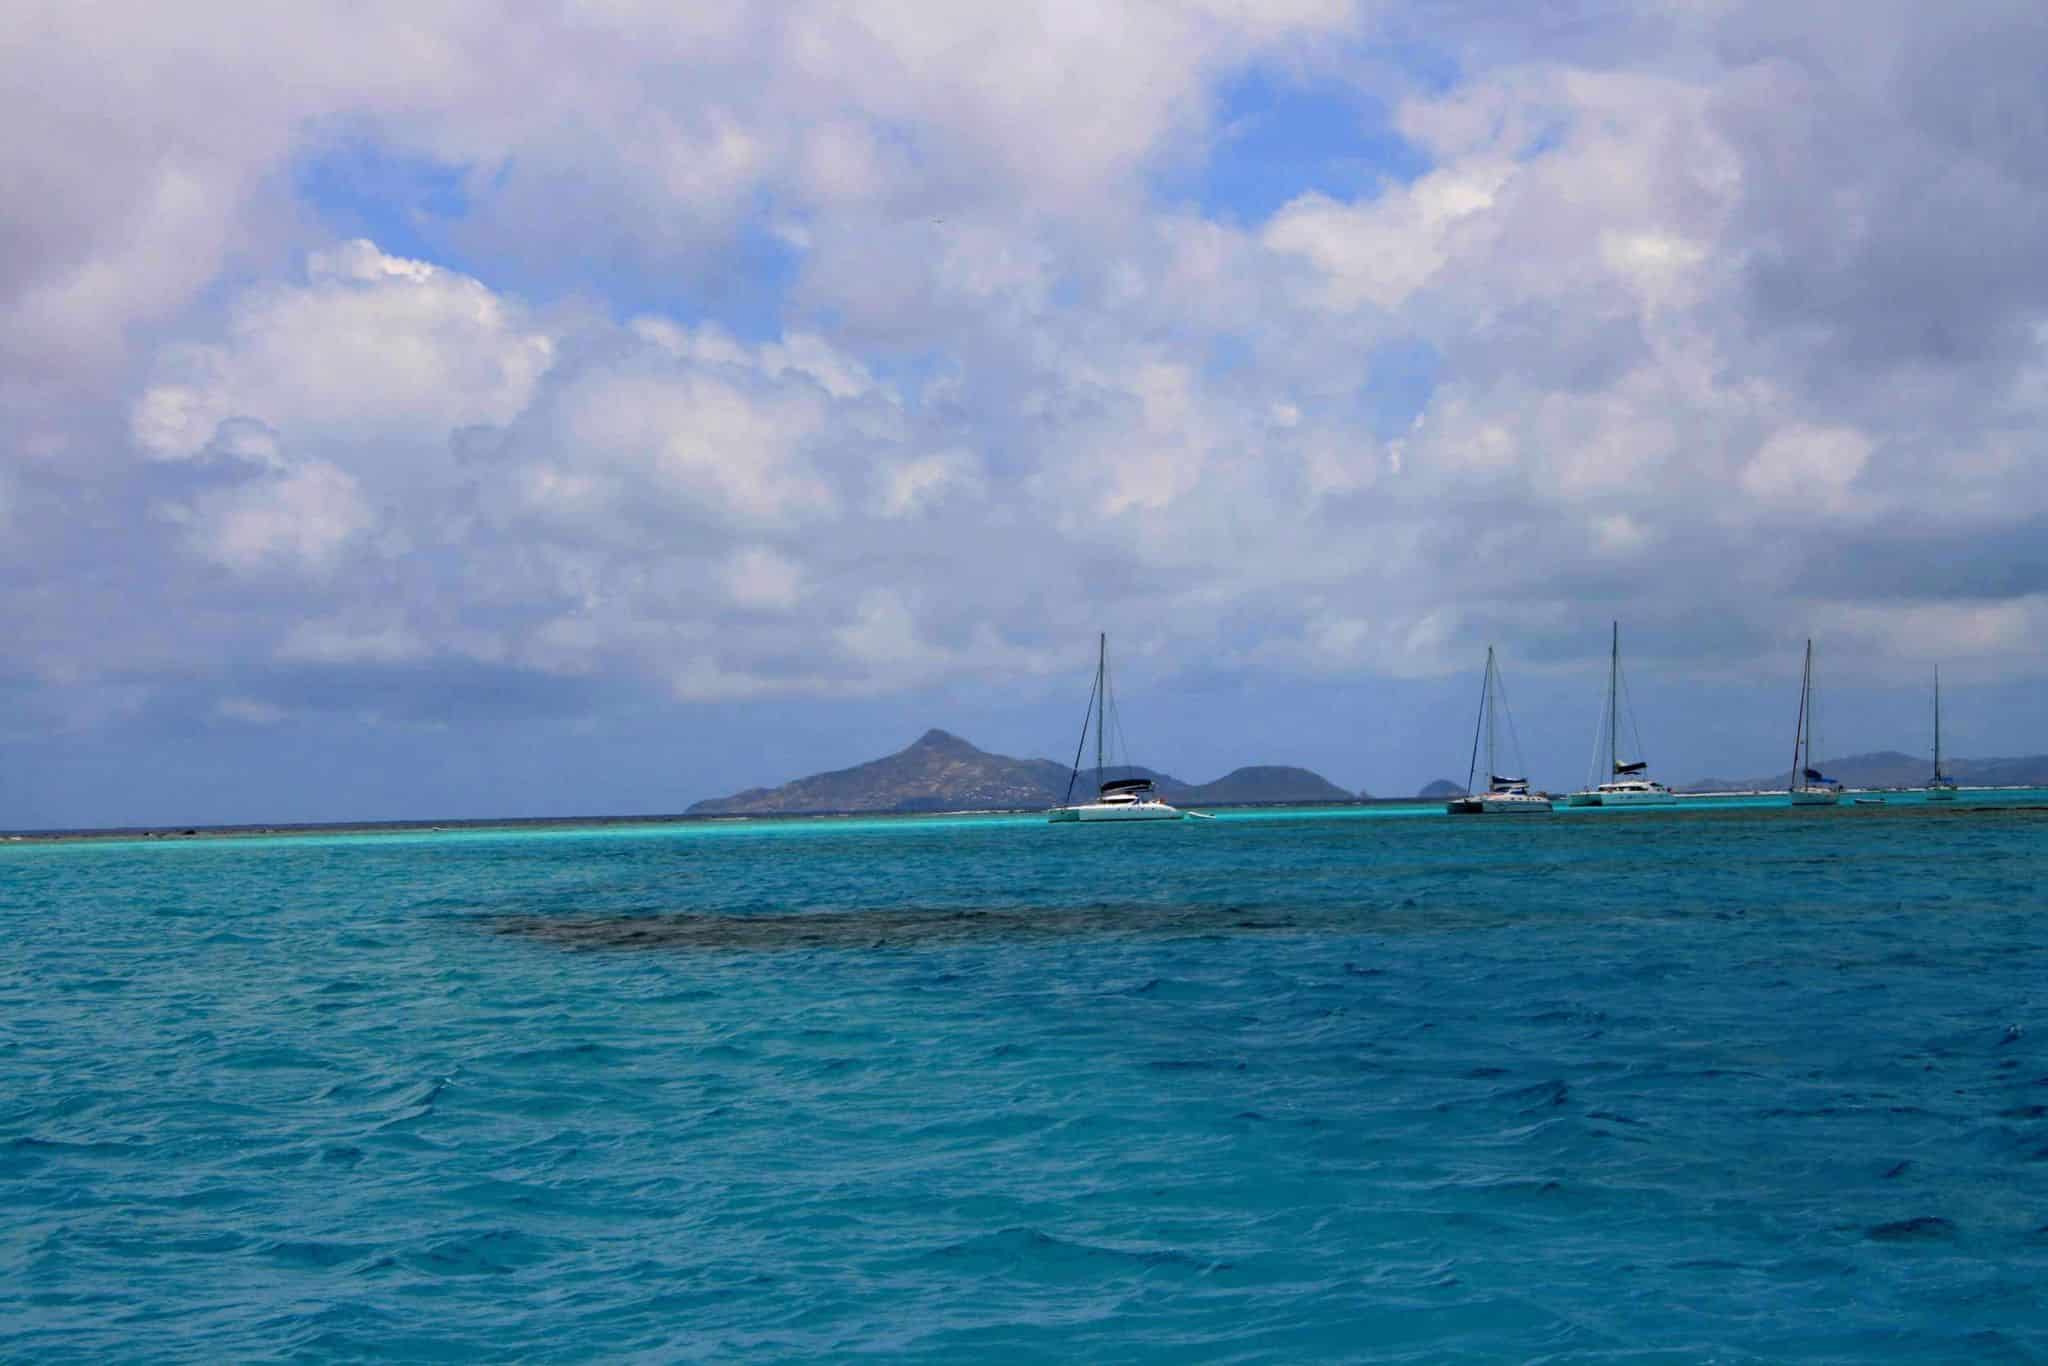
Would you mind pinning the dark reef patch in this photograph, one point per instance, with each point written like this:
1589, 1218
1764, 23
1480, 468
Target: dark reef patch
871, 929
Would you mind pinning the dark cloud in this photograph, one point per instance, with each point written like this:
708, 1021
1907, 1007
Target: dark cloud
1896, 204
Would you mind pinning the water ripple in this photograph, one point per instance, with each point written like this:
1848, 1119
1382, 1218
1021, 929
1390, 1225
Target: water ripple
1736, 1086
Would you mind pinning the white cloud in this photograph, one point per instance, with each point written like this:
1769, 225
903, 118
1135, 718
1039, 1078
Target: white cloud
249, 711
298, 521
371, 348
364, 636
1382, 251
758, 577
700, 438
910, 487
1806, 467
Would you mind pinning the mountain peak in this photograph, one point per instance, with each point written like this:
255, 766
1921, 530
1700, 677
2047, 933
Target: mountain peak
942, 772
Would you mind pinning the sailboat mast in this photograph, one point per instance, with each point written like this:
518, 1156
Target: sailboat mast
1799, 731
1492, 764
1613, 702
1102, 698
1937, 720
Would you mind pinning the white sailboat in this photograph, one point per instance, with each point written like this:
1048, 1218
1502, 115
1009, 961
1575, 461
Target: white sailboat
1627, 784
1809, 787
1941, 787
1503, 796
1117, 799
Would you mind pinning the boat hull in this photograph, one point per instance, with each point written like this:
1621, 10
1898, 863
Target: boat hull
1115, 811
1625, 797
1638, 799
1498, 806
1941, 794
1815, 796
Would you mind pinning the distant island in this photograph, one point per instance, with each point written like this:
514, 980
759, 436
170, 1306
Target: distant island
1889, 768
942, 772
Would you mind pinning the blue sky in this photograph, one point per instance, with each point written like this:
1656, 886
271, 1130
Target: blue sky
412, 415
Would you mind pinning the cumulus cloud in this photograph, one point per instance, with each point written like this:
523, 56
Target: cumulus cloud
370, 347
297, 519
818, 352
1807, 468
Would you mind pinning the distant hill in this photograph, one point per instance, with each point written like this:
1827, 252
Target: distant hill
1889, 768
1442, 787
1260, 783
942, 772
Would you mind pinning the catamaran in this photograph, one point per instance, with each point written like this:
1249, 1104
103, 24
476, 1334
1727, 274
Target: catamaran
1627, 783
1117, 799
1809, 786
1941, 787
1503, 796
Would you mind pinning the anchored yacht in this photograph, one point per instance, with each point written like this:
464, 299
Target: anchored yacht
1627, 784
1809, 787
1503, 796
1117, 799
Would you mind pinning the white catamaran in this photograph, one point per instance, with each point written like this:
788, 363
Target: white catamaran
1117, 799
1626, 783
1809, 787
1941, 787
1503, 796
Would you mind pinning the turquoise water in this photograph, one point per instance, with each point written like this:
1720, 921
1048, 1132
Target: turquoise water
1739, 1084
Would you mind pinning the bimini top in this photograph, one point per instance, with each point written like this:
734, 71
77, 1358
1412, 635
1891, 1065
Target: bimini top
1132, 785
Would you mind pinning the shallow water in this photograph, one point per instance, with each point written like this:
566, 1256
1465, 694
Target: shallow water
1735, 1084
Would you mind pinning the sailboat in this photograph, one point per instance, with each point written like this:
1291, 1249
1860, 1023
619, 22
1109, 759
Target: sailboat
1503, 796
1809, 787
1941, 787
1627, 784
1117, 799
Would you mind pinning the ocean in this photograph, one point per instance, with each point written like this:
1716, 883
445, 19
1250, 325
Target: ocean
1732, 1084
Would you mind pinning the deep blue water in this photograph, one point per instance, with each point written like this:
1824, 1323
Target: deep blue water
1746, 1084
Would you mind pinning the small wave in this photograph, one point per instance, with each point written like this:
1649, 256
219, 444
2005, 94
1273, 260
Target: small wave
1541, 1096
1921, 1228
314, 1254
418, 1105
496, 1252
1022, 1248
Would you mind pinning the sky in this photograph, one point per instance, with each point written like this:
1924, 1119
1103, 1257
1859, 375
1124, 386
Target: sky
416, 410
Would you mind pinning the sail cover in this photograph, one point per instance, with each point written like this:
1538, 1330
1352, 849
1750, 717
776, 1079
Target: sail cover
1814, 775
1499, 781
1637, 767
1127, 785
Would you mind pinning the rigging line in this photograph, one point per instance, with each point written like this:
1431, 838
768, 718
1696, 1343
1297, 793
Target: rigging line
1116, 726
1081, 745
1513, 739
1628, 709
1599, 734
1484, 684
1799, 731
1813, 713
1812, 720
